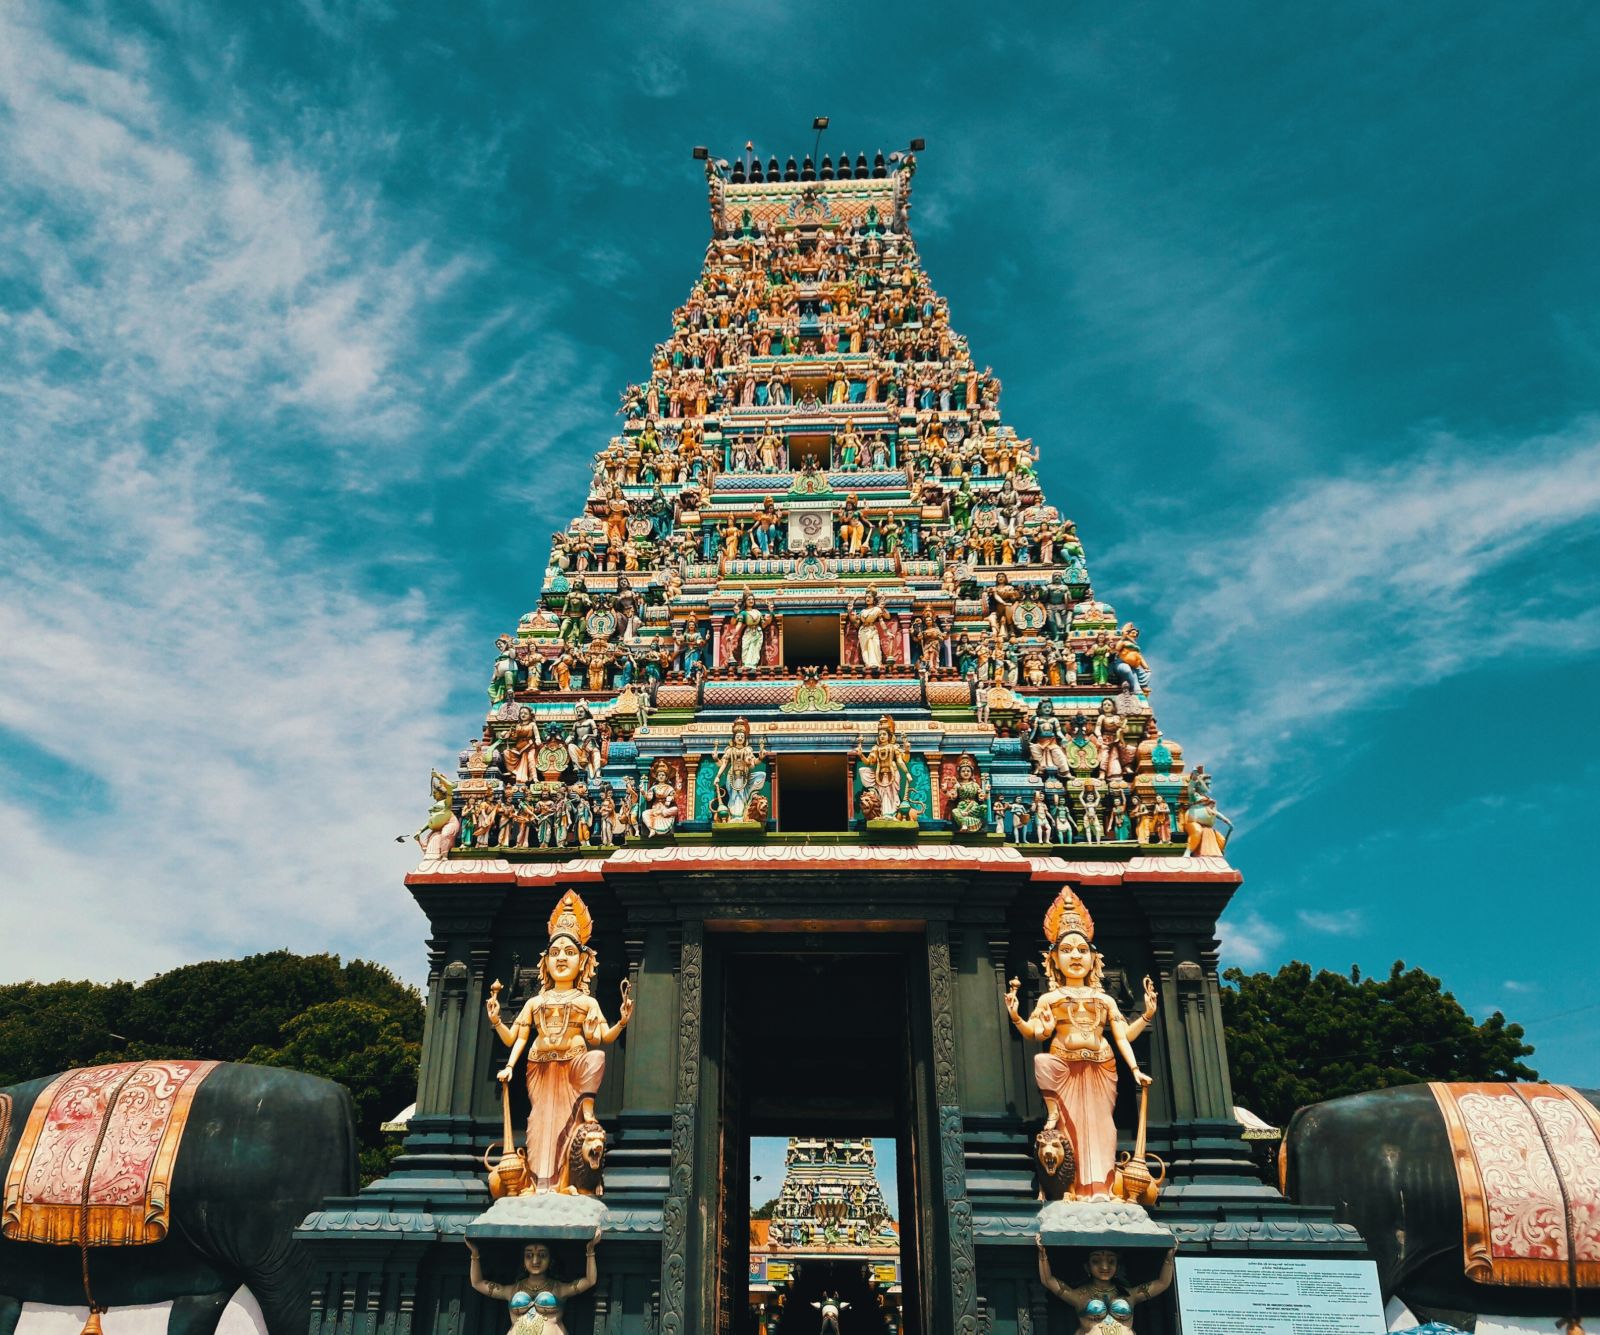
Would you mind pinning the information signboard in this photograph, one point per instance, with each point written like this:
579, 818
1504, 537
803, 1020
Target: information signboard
1278, 1295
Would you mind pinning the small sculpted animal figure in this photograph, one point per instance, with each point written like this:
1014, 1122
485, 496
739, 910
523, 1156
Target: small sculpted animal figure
583, 1173
1053, 1154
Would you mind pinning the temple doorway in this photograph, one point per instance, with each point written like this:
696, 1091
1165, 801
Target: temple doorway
813, 793
811, 641
812, 450
815, 1054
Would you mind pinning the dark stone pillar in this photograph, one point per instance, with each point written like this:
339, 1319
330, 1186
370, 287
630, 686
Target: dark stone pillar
957, 1296
1192, 1123
676, 1240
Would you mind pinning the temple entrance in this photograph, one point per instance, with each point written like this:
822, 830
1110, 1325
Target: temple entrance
814, 1051
813, 793
813, 450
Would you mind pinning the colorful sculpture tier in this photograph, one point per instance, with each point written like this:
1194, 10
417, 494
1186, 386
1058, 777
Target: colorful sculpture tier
814, 516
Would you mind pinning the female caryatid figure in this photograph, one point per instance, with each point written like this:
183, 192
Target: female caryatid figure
883, 769
1104, 1301
561, 1029
738, 777
1078, 1075
749, 636
874, 630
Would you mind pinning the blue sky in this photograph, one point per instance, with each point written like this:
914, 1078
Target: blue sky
311, 317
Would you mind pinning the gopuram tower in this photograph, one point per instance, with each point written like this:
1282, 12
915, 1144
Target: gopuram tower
815, 739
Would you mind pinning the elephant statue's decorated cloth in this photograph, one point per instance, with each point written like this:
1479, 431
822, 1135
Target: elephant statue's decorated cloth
1527, 1160
93, 1165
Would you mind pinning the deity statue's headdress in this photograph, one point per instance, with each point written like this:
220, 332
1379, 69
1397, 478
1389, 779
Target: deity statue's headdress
571, 919
1065, 915
886, 723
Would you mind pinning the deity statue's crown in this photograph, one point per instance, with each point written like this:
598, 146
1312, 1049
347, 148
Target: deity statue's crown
571, 919
1067, 914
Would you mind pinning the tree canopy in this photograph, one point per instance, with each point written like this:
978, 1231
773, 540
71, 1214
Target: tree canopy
1295, 1038
355, 1023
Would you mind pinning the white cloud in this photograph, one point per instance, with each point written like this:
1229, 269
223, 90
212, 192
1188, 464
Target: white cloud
243, 742
1339, 922
1247, 940
1353, 591
211, 734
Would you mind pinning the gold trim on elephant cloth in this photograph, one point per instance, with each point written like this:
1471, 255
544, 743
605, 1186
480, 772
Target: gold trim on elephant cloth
94, 1163
1525, 1155
5, 1119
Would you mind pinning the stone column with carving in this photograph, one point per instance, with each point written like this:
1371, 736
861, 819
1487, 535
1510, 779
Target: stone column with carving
1192, 1121
961, 1270
676, 1224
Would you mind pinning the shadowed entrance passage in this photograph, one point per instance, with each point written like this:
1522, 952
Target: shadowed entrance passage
815, 1041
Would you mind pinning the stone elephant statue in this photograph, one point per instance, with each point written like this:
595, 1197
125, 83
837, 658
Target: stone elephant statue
1387, 1162
260, 1148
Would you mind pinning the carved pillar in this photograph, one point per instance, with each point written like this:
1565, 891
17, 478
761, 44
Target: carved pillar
1192, 1121
960, 1264
675, 1220
693, 770
935, 788
999, 943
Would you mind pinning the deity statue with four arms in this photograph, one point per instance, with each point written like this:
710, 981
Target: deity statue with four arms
561, 1028
738, 780
881, 771
1078, 1075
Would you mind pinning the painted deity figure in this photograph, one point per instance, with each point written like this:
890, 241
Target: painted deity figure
969, 797
1104, 1301
1078, 1074
535, 1287
1003, 598
1045, 741
747, 632
883, 769
1129, 662
518, 746
503, 679
438, 834
738, 777
874, 628
561, 1030
660, 800
1202, 836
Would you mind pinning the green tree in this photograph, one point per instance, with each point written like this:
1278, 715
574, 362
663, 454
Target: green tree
272, 1008
49, 1027
365, 1048
1295, 1038
765, 1209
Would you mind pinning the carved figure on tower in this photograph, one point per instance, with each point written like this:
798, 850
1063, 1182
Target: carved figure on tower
873, 641
738, 779
885, 770
750, 635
